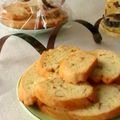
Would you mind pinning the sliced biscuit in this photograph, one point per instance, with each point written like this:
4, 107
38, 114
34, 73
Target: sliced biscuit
27, 85
77, 67
57, 93
108, 68
108, 106
50, 60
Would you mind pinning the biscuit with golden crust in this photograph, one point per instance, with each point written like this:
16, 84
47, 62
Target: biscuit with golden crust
107, 108
50, 60
27, 84
77, 67
54, 92
108, 67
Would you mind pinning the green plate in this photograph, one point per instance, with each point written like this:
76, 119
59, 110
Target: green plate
36, 113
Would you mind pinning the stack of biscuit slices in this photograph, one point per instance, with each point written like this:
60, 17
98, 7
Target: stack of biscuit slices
31, 15
68, 83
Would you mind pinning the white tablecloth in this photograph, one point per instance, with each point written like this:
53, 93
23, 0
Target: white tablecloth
17, 55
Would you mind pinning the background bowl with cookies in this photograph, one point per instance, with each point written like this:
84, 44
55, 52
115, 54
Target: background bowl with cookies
32, 16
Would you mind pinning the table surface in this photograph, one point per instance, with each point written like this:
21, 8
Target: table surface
17, 55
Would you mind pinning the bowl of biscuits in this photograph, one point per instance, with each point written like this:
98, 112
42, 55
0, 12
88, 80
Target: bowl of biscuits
31, 16
68, 83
